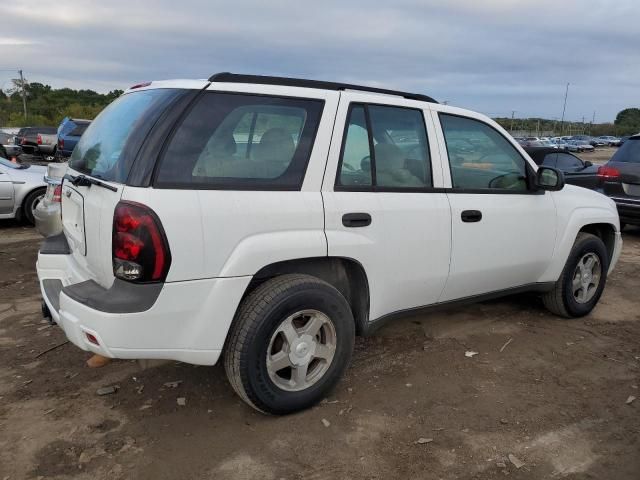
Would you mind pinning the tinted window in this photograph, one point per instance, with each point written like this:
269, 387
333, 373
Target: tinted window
629, 152
242, 141
564, 161
400, 157
356, 156
79, 130
480, 157
109, 145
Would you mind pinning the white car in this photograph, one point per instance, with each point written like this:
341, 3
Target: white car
267, 221
22, 187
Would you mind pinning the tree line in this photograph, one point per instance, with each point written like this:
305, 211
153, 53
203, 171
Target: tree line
47, 106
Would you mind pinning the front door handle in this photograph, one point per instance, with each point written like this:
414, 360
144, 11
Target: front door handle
354, 220
471, 216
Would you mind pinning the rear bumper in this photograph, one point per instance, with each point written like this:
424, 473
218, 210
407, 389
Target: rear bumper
628, 210
186, 321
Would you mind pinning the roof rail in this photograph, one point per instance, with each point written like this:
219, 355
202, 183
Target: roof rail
227, 77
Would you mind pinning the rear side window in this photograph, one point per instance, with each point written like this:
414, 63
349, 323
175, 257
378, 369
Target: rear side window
629, 152
110, 144
385, 147
480, 157
241, 141
79, 130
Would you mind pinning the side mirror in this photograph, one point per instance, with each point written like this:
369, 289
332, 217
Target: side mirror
587, 164
548, 178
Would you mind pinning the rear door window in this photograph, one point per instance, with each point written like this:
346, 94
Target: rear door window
564, 161
386, 147
241, 141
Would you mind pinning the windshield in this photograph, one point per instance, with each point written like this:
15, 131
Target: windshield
109, 145
8, 163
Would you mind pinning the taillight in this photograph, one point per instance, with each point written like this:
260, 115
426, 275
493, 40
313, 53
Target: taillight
606, 173
61, 143
57, 194
23, 140
139, 245
39, 139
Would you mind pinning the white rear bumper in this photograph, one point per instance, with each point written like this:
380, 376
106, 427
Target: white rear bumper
187, 322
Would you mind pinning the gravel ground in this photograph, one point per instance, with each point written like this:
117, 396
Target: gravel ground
543, 398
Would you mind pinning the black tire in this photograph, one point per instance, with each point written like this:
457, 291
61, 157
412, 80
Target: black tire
561, 300
30, 202
258, 317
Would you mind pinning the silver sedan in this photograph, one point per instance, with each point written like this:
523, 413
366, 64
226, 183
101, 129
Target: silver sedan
22, 187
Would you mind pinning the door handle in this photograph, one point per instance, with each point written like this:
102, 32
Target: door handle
471, 216
354, 220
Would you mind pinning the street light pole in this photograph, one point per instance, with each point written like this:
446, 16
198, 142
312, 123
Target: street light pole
24, 94
564, 108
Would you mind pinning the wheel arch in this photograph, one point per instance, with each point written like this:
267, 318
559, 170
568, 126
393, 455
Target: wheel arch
345, 274
606, 232
21, 198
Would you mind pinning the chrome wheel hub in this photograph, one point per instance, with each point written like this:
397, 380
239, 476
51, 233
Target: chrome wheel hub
301, 350
586, 278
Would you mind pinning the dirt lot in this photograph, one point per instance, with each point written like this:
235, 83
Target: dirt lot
551, 392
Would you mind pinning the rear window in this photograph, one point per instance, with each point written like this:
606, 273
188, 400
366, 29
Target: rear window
629, 152
46, 130
79, 130
109, 146
241, 141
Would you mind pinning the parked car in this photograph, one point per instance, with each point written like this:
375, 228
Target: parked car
69, 132
576, 171
236, 222
27, 138
620, 180
21, 189
47, 145
579, 146
609, 140
47, 214
8, 148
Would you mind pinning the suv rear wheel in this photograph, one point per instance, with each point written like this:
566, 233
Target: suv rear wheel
582, 281
289, 344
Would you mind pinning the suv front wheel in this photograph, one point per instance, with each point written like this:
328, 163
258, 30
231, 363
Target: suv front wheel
289, 344
582, 281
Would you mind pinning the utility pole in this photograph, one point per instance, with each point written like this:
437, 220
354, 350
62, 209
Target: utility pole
583, 130
24, 94
564, 108
513, 112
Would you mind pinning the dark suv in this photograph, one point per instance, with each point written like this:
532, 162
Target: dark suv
620, 180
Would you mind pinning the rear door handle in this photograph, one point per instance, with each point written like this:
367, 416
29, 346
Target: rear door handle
354, 220
471, 216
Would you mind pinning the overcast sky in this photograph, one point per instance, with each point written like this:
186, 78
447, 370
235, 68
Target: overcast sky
494, 56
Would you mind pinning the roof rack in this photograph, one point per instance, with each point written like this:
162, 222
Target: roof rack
227, 77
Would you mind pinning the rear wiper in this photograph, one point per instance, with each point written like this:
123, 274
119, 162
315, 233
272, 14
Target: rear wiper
84, 181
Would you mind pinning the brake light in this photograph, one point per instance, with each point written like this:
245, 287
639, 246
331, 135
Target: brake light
140, 85
39, 140
23, 140
61, 143
139, 245
606, 173
57, 194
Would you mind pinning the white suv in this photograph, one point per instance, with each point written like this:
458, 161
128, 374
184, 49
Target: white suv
270, 220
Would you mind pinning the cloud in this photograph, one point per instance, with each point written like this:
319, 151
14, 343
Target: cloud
494, 55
